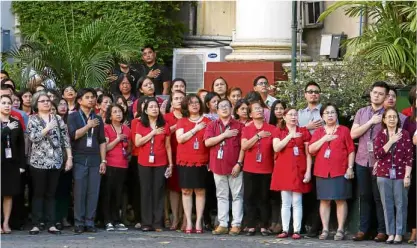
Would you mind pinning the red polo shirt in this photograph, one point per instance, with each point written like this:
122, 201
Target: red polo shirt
340, 148
134, 124
161, 158
171, 121
231, 147
186, 154
115, 157
265, 147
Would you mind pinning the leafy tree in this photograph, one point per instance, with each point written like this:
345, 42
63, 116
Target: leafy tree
389, 40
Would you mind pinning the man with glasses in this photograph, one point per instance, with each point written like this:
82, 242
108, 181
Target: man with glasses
261, 85
222, 136
391, 102
310, 118
366, 125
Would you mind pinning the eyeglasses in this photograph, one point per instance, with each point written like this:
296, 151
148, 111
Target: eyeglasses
292, 115
44, 101
262, 83
329, 113
195, 103
224, 106
310, 92
394, 117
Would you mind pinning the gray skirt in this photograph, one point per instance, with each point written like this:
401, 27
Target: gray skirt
337, 188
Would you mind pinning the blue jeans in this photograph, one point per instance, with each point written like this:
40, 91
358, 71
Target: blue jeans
369, 200
86, 188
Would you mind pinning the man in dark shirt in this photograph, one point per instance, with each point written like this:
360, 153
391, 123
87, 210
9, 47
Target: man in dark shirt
159, 73
86, 130
133, 74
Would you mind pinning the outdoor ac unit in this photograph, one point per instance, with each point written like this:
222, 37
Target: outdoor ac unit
311, 13
190, 64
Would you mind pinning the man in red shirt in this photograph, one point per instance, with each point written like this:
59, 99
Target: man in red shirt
222, 136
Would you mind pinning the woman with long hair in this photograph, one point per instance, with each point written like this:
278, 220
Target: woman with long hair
25, 104
220, 86
240, 112
178, 84
127, 111
210, 105
126, 90
234, 94
278, 107
155, 164
192, 158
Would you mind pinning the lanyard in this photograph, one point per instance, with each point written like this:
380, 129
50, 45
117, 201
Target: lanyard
221, 131
393, 148
121, 131
3, 125
85, 123
333, 132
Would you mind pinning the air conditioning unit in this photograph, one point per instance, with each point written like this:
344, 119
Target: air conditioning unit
311, 13
190, 64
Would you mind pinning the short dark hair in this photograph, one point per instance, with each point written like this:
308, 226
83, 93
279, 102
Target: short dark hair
4, 80
125, 113
384, 126
312, 83
254, 96
329, 104
65, 116
282, 124
6, 87
210, 95
119, 81
144, 118
69, 86
81, 93
102, 96
169, 101
239, 103
108, 112
412, 95
141, 80
223, 100
250, 106
272, 118
147, 46
20, 95
224, 80
177, 80
393, 89
7, 96
381, 84
255, 81
54, 92
141, 100
5, 73
234, 89
186, 101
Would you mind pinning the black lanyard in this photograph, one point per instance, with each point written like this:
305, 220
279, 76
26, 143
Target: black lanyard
85, 123
221, 131
4, 125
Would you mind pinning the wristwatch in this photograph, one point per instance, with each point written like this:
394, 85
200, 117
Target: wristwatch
240, 164
259, 137
104, 161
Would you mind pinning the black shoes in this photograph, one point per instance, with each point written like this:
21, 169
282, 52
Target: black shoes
90, 229
78, 229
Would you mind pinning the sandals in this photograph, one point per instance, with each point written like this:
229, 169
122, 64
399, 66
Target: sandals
282, 235
296, 235
340, 235
324, 234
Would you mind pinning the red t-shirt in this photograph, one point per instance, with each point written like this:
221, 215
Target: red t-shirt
186, 154
115, 157
171, 120
159, 150
135, 103
408, 111
340, 148
266, 165
134, 124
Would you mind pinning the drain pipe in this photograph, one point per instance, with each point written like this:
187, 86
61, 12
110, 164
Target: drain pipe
294, 42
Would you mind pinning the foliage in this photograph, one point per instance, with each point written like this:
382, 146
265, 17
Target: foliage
71, 56
146, 22
389, 40
345, 84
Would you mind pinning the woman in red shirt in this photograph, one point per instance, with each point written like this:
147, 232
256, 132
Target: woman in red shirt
240, 112
192, 158
257, 168
292, 171
173, 182
335, 155
394, 154
118, 146
153, 140
133, 173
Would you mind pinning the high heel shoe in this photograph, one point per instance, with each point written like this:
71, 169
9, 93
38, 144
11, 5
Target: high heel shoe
199, 231
188, 231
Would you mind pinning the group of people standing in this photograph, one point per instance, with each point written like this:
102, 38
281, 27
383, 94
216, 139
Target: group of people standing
256, 152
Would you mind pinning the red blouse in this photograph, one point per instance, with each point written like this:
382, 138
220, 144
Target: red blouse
264, 146
399, 155
161, 158
134, 124
186, 154
171, 121
115, 157
340, 148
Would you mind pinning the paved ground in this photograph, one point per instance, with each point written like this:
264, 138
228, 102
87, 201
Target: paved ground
103, 239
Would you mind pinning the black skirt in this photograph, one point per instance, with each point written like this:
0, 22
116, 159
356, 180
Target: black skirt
192, 177
10, 178
337, 188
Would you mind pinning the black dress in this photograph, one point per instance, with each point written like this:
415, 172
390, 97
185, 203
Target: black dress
410, 126
10, 173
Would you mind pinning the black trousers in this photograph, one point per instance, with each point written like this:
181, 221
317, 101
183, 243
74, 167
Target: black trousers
275, 199
44, 182
211, 199
152, 193
133, 187
113, 182
311, 209
256, 198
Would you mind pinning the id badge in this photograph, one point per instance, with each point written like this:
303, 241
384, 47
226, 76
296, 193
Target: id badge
89, 141
392, 174
151, 158
220, 154
259, 157
327, 153
8, 152
124, 152
370, 146
295, 150
196, 145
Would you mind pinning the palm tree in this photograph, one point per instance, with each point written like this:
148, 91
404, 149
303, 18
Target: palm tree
390, 41
80, 58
